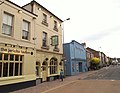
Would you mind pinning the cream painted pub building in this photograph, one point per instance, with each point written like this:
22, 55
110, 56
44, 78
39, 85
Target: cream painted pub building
30, 45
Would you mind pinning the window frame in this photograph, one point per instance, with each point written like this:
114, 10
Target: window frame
44, 39
53, 66
8, 24
55, 26
7, 70
25, 30
44, 18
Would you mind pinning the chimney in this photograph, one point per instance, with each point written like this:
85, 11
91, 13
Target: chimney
84, 45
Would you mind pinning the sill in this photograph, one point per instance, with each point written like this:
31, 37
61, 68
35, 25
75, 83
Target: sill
7, 36
45, 23
45, 47
55, 29
56, 49
11, 78
53, 74
24, 40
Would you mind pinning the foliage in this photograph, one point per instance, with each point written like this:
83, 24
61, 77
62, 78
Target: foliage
110, 62
95, 60
95, 63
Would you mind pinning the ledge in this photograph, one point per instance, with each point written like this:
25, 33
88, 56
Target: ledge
56, 49
45, 47
11, 78
45, 23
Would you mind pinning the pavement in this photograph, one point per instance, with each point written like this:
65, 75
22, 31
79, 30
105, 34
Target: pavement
51, 85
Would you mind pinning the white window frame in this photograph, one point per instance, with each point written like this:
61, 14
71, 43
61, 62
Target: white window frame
25, 30
7, 24
17, 67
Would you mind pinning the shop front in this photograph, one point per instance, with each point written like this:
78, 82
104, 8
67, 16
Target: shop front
50, 66
16, 67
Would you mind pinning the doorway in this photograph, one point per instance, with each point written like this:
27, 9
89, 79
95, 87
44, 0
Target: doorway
44, 71
80, 66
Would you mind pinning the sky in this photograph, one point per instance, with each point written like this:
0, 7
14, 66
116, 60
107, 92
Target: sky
95, 22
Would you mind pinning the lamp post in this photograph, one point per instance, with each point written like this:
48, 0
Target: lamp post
63, 27
64, 61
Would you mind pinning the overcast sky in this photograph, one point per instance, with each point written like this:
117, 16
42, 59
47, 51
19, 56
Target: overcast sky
96, 22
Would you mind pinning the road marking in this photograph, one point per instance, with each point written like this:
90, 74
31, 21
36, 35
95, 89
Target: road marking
59, 86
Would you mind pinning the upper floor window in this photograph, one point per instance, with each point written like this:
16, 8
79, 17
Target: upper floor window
45, 18
55, 26
54, 40
25, 30
44, 40
44, 21
55, 43
7, 24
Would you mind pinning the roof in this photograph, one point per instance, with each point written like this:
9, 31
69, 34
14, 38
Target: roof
88, 48
20, 7
44, 8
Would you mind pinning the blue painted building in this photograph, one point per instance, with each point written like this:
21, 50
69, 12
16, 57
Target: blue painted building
75, 55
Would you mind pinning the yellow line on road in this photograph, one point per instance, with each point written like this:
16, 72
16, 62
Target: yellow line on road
59, 86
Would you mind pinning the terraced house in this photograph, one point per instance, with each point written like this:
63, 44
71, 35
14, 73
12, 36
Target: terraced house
30, 45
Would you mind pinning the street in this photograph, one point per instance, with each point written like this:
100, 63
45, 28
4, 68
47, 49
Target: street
103, 81
89, 86
109, 73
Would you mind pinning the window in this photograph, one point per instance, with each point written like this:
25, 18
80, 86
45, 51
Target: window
10, 65
16, 69
25, 30
11, 69
5, 56
53, 66
0, 69
5, 69
0, 56
54, 40
11, 57
21, 68
73, 67
16, 57
44, 21
44, 40
7, 24
45, 18
55, 26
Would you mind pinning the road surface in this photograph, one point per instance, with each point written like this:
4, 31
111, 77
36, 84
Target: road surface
106, 80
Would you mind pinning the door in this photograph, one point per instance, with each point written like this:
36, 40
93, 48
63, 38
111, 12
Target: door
80, 66
44, 71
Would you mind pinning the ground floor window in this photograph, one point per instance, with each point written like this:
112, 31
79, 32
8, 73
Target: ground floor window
53, 66
73, 67
10, 65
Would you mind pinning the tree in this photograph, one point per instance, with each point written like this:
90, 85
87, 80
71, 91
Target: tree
95, 63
